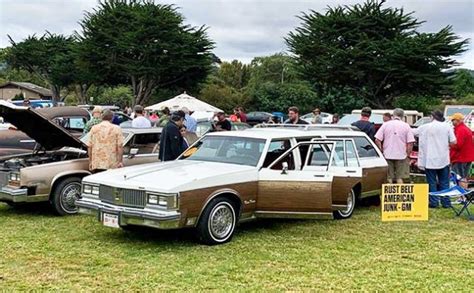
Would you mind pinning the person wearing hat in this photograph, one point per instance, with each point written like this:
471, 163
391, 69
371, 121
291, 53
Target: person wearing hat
435, 139
189, 121
317, 119
171, 140
461, 153
96, 119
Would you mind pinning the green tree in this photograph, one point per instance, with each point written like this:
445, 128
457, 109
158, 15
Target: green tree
225, 86
49, 58
223, 96
271, 96
425, 104
463, 83
373, 51
234, 74
275, 84
144, 44
119, 96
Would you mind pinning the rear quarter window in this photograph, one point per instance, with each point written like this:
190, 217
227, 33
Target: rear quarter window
365, 148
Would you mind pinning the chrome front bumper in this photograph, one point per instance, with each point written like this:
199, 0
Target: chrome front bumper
130, 216
13, 194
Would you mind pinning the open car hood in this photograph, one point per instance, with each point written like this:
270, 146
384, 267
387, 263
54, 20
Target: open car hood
44, 131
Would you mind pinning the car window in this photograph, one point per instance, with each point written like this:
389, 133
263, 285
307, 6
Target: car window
147, 143
319, 155
338, 158
227, 149
351, 155
77, 123
365, 148
202, 128
304, 148
275, 150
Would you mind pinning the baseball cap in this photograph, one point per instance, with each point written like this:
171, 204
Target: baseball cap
457, 116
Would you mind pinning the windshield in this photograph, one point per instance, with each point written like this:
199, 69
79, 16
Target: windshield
463, 110
227, 149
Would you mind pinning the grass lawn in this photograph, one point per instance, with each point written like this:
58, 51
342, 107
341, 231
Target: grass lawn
41, 251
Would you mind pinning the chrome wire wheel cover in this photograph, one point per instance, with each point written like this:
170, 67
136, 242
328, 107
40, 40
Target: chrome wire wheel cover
69, 194
222, 221
350, 203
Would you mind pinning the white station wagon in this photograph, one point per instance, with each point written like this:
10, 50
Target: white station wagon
228, 177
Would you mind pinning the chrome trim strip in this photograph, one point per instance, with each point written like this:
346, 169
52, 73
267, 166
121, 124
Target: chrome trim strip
294, 215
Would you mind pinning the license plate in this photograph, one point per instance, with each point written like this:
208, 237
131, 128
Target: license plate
110, 220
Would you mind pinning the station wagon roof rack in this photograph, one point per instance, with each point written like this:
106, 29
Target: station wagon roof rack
308, 126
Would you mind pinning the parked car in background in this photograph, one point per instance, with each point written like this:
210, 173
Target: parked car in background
234, 176
14, 141
37, 104
326, 117
204, 126
421, 121
463, 109
348, 119
410, 117
53, 172
254, 118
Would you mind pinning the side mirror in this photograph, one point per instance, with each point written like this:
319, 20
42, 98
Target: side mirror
133, 153
284, 169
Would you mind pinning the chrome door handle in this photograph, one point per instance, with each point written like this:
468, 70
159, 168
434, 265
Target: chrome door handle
351, 171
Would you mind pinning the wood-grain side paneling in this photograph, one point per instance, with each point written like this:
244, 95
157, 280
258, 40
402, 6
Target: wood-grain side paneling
192, 202
341, 187
373, 178
293, 196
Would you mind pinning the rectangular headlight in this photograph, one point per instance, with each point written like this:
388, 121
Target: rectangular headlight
168, 201
86, 188
95, 190
153, 199
14, 176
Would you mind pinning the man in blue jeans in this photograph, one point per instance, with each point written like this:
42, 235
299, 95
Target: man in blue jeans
433, 155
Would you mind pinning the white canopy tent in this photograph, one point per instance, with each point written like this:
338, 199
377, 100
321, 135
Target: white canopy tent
184, 100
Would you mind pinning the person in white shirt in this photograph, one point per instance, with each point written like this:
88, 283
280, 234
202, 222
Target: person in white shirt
433, 155
140, 121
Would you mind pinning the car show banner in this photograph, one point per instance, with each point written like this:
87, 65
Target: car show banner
404, 202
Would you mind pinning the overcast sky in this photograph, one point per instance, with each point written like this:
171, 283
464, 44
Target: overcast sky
242, 29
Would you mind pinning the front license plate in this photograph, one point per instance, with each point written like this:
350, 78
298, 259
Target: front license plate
110, 220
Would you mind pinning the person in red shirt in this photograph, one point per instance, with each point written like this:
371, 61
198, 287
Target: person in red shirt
462, 153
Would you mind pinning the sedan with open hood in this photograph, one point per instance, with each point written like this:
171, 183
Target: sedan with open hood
54, 169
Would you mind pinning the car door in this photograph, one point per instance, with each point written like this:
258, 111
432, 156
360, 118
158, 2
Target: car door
142, 148
295, 189
344, 167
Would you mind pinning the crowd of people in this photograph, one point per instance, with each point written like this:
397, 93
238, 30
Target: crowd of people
442, 148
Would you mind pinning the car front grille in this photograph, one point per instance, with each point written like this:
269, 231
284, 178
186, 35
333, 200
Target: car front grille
123, 197
4, 178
